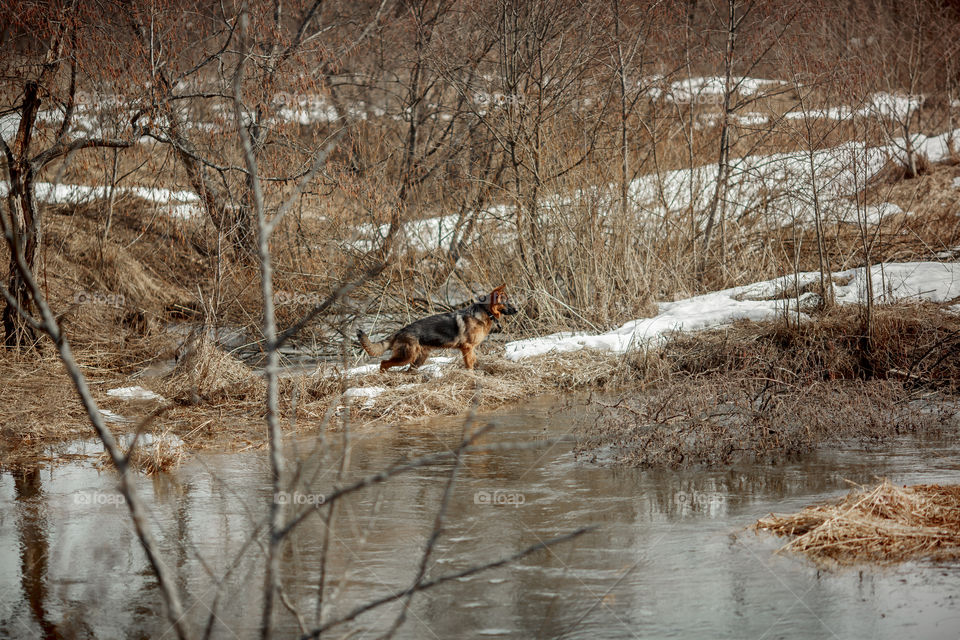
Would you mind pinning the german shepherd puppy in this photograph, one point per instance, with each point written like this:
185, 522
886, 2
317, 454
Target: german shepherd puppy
463, 329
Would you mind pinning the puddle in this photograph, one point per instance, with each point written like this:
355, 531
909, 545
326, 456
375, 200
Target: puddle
669, 557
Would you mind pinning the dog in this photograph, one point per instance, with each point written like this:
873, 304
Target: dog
463, 329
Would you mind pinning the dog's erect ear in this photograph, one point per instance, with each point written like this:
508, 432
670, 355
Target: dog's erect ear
496, 294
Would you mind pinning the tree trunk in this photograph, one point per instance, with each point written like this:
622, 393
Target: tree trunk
24, 229
718, 201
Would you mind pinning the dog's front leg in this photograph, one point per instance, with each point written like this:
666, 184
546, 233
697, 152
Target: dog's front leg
469, 357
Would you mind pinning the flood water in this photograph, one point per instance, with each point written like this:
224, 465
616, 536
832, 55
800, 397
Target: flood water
669, 557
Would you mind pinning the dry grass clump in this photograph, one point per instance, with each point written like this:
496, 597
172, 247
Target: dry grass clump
456, 392
772, 390
207, 373
885, 524
913, 342
722, 421
494, 383
162, 455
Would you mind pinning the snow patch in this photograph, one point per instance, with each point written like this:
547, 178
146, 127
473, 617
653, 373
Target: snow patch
179, 204
149, 441
710, 88
370, 393
933, 281
876, 213
889, 106
426, 234
134, 393
433, 366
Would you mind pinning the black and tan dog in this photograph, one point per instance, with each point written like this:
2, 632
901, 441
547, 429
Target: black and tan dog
463, 329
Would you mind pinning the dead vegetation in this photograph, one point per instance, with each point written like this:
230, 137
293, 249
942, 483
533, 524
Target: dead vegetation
119, 293
39, 405
751, 391
769, 391
884, 524
917, 343
204, 372
494, 383
160, 455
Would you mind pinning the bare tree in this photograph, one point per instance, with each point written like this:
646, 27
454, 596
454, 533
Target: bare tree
750, 30
37, 76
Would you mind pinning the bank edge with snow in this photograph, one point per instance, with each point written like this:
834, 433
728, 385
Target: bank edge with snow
759, 301
767, 300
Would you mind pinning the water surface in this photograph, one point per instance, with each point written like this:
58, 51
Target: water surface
670, 557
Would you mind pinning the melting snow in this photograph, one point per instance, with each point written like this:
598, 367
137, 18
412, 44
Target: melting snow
370, 393
180, 204
778, 188
134, 393
934, 281
699, 89
759, 301
148, 440
891, 106
116, 418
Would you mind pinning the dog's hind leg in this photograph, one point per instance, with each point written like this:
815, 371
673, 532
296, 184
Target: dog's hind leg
397, 360
402, 354
420, 359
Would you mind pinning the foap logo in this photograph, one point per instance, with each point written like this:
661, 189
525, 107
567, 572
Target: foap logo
698, 499
499, 498
285, 297
87, 99
497, 99
110, 299
286, 99
98, 498
311, 499
706, 98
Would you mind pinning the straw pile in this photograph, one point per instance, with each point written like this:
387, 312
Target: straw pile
163, 455
885, 524
494, 383
207, 373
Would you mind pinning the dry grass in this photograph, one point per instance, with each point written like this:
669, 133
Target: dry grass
495, 382
929, 227
161, 455
771, 391
158, 266
760, 391
885, 524
39, 405
41, 410
916, 343
206, 373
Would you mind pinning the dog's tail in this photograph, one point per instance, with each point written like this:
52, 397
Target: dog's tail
371, 347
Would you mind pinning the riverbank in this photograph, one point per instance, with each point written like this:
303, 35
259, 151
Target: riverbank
757, 389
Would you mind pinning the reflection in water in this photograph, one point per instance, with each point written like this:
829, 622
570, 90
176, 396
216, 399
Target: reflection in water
669, 557
34, 547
